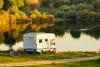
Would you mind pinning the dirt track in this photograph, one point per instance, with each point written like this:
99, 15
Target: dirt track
48, 61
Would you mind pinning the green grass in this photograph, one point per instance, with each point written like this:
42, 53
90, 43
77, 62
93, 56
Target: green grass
91, 63
5, 57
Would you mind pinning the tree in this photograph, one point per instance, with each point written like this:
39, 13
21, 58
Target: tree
32, 2
83, 15
13, 9
6, 4
1, 3
92, 16
80, 6
22, 15
97, 5
39, 17
72, 15
12, 2
20, 3
4, 20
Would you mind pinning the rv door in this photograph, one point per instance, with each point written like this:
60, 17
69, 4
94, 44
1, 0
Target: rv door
29, 44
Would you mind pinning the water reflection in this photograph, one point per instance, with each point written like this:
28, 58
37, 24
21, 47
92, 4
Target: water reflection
84, 43
95, 32
59, 31
16, 46
68, 43
76, 35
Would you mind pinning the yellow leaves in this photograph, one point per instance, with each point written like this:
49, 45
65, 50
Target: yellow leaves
12, 22
13, 9
50, 16
4, 27
17, 15
5, 15
39, 17
8, 20
1, 3
33, 16
22, 15
21, 27
35, 1
37, 13
29, 2
45, 15
12, 18
4, 20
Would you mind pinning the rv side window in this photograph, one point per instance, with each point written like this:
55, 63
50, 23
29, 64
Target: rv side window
46, 40
40, 40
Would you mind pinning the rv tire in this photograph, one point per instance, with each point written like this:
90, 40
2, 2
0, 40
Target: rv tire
54, 50
41, 52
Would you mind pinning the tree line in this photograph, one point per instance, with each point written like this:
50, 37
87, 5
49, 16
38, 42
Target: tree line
21, 14
36, 14
74, 9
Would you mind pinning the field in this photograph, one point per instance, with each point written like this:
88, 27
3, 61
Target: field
92, 63
5, 57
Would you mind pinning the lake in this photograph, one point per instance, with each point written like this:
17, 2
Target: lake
70, 36
84, 43
69, 43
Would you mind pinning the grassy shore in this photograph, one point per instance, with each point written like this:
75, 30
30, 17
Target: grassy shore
91, 63
5, 57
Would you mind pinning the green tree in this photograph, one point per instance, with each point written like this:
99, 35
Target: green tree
97, 5
72, 15
80, 6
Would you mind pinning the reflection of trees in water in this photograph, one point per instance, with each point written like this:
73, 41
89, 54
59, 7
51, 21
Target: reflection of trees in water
62, 27
75, 34
94, 33
1, 38
19, 31
9, 40
59, 29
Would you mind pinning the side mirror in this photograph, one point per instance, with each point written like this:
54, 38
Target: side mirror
53, 44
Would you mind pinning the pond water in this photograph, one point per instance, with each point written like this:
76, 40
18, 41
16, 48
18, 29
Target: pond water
84, 43
70, 37
68, 43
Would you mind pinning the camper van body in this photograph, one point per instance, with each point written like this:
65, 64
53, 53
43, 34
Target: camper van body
39, 42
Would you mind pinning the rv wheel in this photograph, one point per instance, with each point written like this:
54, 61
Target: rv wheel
54, 50
41, 52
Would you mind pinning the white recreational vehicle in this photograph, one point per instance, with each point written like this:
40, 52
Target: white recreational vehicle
39, 42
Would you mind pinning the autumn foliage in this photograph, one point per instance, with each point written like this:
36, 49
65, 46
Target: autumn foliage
18, 20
